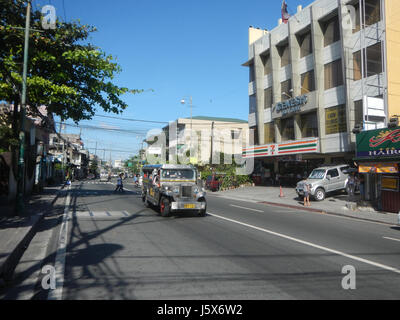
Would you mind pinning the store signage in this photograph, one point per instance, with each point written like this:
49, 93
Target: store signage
378, 168
291, 105
390, 183
378, 144
286, 149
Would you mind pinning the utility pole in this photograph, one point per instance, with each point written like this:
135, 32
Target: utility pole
20, 208
212, 138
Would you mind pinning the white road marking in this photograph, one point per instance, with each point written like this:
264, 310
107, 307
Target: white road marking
232, 205
56, 294
375, 264
391, 238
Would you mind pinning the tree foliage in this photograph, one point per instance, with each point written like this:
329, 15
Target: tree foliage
69, 75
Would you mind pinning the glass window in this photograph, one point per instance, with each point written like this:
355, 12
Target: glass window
333, 173
284, 54
267, 64
287, 129
255, 135
268, 98
251, 73
309, 125
358, 112
333, 74
357, 26
317, 174
374, 61
269, 132
335, 119
305, 43
331, 31
372, 11
286, 86
252, 104
307, 82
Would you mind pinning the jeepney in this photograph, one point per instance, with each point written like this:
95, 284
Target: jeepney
173, 188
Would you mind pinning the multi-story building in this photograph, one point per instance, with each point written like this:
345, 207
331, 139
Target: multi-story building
207, 135
330, 69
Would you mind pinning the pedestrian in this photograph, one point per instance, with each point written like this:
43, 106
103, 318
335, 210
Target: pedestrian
277, 178
135, 180
120, 186
351, 184
307, 190
361, 182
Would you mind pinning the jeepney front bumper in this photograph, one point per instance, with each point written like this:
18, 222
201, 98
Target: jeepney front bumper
187, 205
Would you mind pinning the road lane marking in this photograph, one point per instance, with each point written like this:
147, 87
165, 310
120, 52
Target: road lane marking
391, 238
375, 264
233, 205
56, 294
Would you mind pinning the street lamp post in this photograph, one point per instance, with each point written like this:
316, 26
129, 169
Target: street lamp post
191, 122
21, 162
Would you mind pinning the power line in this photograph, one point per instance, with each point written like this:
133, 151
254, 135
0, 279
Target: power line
127, 119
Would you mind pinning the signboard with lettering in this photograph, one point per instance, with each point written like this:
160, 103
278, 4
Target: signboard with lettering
291, 106
378, 144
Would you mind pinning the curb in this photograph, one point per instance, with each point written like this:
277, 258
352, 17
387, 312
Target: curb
321, 211
8, 267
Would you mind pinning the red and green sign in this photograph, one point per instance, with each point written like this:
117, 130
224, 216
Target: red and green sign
378, 144
269, 150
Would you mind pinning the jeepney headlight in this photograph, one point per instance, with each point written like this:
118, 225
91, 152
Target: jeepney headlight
196, 190
175, 190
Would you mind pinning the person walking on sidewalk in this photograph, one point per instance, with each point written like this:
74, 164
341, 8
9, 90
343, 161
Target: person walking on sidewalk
120, 186
306, 198
351, 185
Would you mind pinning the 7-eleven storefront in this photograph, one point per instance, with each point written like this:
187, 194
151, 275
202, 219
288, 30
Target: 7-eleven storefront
291, 160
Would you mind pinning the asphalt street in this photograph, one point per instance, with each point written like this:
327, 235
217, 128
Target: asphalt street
118, 249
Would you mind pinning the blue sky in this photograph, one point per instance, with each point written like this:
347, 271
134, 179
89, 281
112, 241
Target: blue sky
177, 48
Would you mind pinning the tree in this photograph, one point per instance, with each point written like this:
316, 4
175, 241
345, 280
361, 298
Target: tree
66, 73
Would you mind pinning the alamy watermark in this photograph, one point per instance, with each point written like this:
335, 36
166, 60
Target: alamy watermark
49, 280
349, 280
49, 17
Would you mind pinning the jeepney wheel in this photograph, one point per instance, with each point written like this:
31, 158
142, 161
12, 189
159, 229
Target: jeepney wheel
202, 213
165, 207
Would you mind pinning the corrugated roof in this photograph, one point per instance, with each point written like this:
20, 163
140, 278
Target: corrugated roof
218, 119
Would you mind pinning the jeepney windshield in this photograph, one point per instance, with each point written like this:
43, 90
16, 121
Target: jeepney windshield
178, 174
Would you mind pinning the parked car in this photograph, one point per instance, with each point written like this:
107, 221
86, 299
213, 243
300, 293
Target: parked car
213, 182
324, 180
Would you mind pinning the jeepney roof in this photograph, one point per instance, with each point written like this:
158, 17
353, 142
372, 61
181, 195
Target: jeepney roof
167, 166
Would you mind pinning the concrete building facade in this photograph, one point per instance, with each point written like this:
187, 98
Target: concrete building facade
316, 78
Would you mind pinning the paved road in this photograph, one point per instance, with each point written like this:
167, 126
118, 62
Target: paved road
117, 249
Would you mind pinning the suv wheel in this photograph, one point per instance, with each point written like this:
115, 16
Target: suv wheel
320, 194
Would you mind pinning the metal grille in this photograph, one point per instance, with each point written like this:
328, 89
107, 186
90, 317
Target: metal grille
186, 191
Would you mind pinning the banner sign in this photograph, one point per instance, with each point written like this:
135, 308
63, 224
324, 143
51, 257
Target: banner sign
292, 105
390, 183
378, 168
288, 148
378, 144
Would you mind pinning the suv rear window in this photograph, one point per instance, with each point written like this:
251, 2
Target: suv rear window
333, 173
343, 169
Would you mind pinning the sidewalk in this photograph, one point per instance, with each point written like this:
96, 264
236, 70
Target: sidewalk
336, 204
17, 232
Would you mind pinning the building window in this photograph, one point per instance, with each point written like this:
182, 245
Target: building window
333, 74
331, 31
309, 125
305, 44
287, 129
335, 119
267, 64
286, 87
358, 112
251, 73
269, 133
252, 104
268, 98
254, 133
284, 54
307, 82
372, 11
374, 62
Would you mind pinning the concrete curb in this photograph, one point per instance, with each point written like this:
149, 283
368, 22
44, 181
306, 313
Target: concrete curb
7, 268
321, 211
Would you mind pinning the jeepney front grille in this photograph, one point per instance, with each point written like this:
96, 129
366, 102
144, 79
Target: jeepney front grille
186, 191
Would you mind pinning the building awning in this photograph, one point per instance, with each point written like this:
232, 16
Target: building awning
248, 62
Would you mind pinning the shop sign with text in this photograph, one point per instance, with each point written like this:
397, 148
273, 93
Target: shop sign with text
378, 144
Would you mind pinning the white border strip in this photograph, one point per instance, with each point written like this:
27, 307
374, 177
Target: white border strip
56, 294
394, 239
233, 205
372, 263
